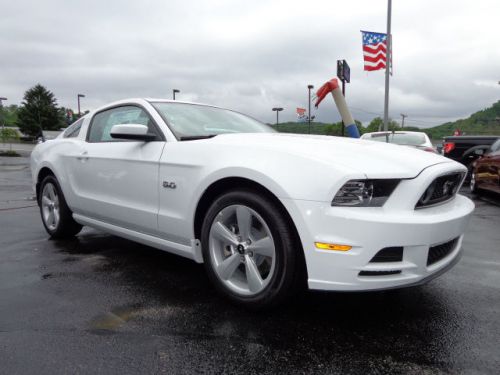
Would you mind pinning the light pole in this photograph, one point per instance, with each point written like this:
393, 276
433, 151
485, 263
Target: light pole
403, 120
387, 65
277, 110
79, 96
174, 91
1, 105
38, 100
309, 87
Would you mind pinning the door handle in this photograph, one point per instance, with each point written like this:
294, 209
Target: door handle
83, 156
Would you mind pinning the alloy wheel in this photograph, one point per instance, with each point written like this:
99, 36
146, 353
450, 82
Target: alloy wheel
50, 206
242, 250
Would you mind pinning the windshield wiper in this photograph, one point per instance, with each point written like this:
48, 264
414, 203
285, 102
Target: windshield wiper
195, 137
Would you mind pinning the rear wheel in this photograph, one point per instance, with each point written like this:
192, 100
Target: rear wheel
57, 218
249, 249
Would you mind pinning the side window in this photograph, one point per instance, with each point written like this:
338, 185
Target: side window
102, 122
74, 129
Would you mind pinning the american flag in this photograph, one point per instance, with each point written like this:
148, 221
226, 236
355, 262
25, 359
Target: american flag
374, 50
301, 111
301, 114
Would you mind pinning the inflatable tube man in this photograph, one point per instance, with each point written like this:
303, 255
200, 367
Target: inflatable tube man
333, 87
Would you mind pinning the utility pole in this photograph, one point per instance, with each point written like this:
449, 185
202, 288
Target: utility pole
309, 87
403, 120
174, 91
387, 65
277, 110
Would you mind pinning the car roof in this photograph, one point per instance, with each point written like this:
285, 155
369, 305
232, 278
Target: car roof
149, 100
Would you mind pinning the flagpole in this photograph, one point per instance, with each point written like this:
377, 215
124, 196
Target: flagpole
387, 66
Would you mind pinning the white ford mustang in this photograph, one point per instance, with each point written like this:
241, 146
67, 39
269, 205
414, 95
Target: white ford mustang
262, 210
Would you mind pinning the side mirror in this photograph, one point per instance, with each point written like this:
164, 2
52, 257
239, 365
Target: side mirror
134, 132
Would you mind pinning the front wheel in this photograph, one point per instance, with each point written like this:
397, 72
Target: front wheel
250, 250
56, 215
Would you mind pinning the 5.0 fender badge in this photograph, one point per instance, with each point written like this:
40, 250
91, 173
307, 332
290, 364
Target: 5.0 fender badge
169, 185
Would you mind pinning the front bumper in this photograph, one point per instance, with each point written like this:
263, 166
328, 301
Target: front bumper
371, 229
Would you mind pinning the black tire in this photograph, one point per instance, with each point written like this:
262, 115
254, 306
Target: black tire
468, 176
288, 275
66, 226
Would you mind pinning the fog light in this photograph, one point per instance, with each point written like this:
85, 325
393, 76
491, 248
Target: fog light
332, 246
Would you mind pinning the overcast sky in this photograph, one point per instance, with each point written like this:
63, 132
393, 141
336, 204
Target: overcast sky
254, 55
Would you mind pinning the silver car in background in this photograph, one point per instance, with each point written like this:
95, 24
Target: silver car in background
418, 140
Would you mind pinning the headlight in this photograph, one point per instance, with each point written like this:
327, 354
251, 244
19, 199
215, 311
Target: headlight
365, 193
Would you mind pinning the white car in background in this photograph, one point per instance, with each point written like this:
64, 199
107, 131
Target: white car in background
263, 211
418, 140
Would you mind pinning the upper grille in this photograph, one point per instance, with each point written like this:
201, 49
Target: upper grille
441, 189
438, 252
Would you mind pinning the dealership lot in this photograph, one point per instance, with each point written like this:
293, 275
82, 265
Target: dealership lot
101, 303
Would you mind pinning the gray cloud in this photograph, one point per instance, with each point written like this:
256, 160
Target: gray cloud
252, 56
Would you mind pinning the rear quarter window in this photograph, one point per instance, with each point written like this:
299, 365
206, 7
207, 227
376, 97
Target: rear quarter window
73, 130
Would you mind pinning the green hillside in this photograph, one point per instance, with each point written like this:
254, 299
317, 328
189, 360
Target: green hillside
303, 128
320, 128
485, 122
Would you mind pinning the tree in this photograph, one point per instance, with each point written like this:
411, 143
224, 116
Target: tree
71, 116
359, 125
378, 124
393, 125
39, 111
334, 129
374, 125
8, 115
9, 135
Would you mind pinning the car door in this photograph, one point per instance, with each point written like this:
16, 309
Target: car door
494, 167
116, 181
486, 171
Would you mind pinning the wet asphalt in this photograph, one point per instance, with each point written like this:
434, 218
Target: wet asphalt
101, 304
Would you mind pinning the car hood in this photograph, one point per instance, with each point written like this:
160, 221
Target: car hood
374, 159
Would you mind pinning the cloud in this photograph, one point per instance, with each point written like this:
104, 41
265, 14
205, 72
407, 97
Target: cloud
252, 56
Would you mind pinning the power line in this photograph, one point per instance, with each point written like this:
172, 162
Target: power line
365, 111
413, 119
422, 121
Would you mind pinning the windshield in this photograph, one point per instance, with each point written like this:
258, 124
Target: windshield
410, 139
190, 121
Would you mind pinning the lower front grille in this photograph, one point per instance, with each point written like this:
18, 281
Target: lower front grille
379, 273
438, 252
388, 254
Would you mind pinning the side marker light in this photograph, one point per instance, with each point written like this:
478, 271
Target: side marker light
332, 246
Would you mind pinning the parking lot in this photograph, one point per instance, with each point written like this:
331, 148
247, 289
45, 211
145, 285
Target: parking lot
103, 304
